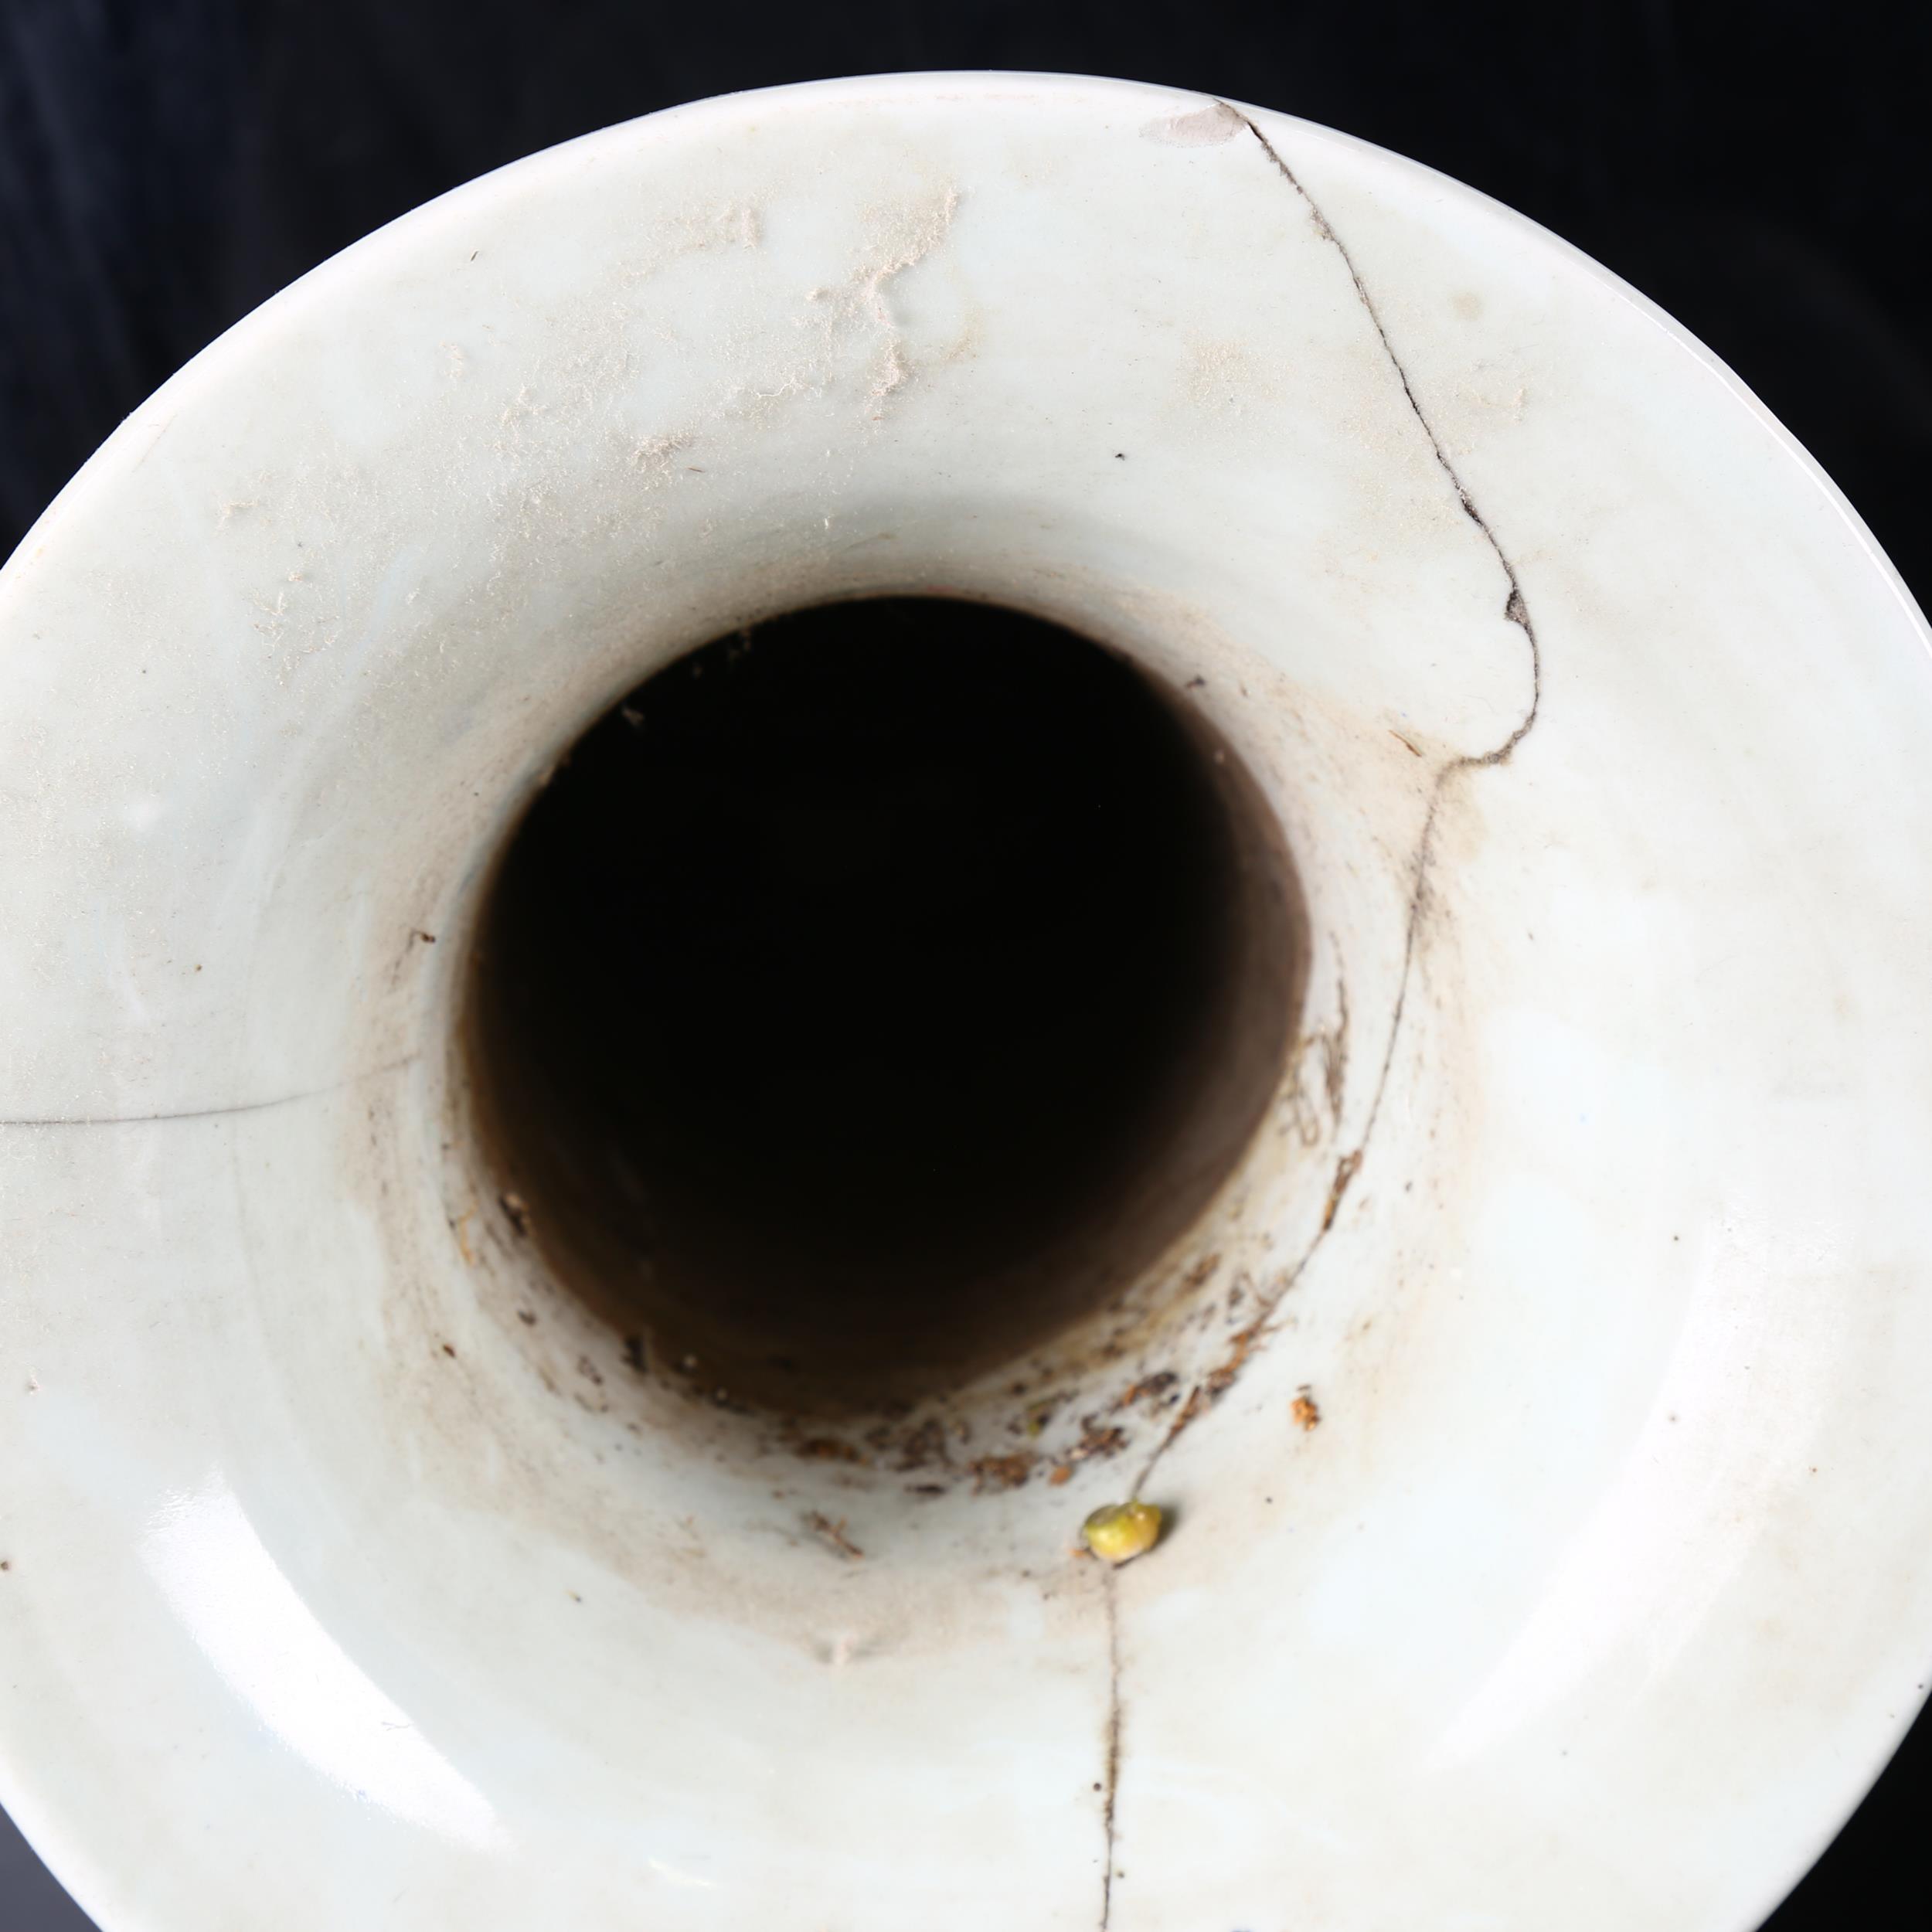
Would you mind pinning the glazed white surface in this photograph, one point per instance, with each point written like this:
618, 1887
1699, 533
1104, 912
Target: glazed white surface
1599, 727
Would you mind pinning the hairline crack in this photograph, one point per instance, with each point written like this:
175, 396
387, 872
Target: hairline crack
1516, 611
1109, 1584
221, 1113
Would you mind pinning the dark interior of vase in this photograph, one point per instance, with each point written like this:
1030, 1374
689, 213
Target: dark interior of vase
874, 993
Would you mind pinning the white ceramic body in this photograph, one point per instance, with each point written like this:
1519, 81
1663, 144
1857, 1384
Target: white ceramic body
338, 1596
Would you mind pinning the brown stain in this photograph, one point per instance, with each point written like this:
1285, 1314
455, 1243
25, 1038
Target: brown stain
920, 1446
1200, 1273
1098, 1439
833, 1534
1346, 1170
1148, 1388
1002, 1472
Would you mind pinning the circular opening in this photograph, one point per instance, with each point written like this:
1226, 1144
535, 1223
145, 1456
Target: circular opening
873, 994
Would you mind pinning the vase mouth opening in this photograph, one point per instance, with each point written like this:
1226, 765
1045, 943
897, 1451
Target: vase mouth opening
871, 995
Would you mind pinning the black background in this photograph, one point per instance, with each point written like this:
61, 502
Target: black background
1764, 171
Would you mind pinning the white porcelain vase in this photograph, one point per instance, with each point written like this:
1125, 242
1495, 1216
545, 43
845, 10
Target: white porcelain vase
1534, 1391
